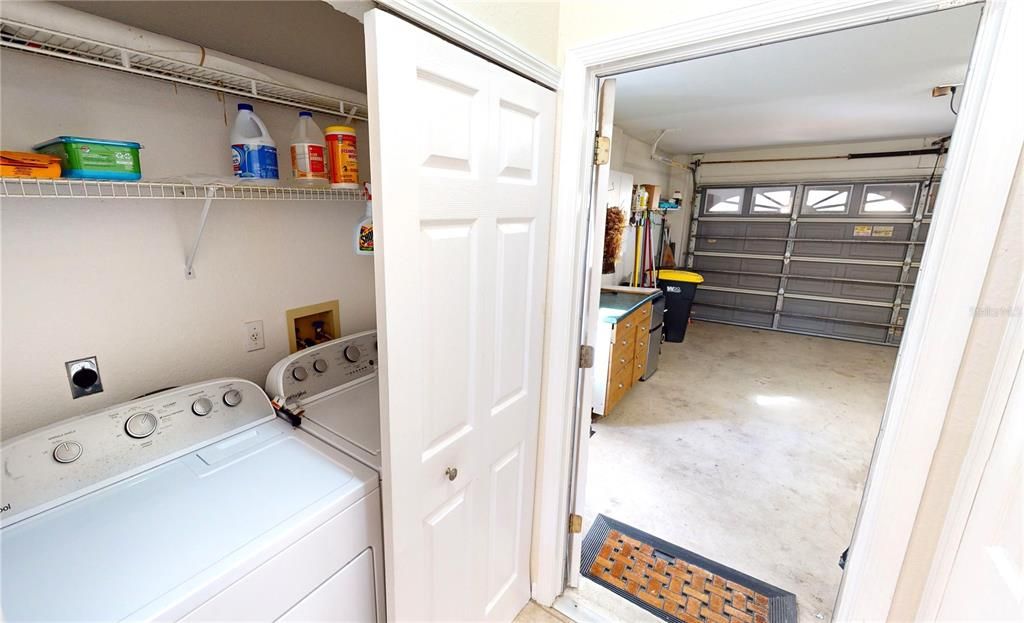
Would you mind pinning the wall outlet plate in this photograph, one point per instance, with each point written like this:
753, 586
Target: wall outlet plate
84, 376
253, 335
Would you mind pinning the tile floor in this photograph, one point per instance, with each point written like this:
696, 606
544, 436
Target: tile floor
748, 447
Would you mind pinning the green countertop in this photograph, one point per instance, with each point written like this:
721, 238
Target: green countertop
616, 304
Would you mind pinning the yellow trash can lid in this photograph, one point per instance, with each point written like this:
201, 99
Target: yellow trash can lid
680, 275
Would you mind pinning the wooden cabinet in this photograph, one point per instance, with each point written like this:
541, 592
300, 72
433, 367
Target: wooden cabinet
627, 358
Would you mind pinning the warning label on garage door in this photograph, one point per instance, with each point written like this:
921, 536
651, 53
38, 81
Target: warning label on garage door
862, 230
882, 231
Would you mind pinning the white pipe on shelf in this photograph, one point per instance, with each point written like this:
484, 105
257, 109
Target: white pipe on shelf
49, 16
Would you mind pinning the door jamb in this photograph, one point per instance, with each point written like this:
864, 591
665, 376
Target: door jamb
980, 164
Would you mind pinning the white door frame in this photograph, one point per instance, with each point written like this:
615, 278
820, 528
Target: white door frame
979, 170
468, 33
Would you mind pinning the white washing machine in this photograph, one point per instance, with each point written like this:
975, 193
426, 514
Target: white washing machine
196, 503
335, 383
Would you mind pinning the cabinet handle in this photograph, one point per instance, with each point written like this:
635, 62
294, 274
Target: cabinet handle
620, 385
452, 473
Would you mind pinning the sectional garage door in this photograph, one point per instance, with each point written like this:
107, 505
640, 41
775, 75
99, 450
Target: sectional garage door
835, 260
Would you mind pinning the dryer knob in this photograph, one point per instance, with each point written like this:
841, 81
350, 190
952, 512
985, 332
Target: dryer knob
320, 365
203, 406
299, 374
141, 425
67, 452
232, 398
352, 353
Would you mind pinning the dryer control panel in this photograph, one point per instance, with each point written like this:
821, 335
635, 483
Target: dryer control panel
324, 368
62, 461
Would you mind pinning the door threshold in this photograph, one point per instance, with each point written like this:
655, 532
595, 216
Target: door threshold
571, 605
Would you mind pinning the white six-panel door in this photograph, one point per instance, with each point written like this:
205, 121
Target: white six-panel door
461, 157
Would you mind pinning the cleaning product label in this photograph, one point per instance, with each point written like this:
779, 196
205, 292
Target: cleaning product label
365, 237
254, 161
344, 162
308, 161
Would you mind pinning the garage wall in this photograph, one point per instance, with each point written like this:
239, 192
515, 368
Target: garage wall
633, 156
106, 278
819, 170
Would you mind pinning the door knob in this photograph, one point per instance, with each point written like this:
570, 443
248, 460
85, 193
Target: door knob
452, 473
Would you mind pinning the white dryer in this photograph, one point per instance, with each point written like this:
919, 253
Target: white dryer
335, 384
196, 503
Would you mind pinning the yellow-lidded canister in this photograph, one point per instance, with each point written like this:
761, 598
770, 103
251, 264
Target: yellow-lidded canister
343, 163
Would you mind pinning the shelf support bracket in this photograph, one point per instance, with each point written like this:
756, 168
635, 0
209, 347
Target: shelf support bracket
189, 271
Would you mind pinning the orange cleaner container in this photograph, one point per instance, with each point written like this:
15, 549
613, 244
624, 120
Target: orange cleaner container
343, 171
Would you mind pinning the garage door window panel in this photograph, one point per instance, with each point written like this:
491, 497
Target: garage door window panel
827, 200
773, 200
722, 201
889, 199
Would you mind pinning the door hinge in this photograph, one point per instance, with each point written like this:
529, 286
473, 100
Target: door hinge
575, 524
602, 150
586, 356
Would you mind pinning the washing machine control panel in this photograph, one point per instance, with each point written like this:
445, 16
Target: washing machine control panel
324, 368
58, 462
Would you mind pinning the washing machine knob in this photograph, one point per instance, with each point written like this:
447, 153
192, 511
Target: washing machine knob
320, 365
352, 353
141, 425
203, 406
67, 452
300, 374
232, 398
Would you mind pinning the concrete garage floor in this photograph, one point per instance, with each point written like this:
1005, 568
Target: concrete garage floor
748, 447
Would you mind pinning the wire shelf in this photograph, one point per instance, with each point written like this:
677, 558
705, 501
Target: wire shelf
51, 43
95, 189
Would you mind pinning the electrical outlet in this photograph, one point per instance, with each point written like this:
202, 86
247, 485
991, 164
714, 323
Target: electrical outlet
254, 335
84, 376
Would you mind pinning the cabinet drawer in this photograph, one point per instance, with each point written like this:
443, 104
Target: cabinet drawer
620, 358
622, 353
618, 386
625, 328
642, 317
640, 354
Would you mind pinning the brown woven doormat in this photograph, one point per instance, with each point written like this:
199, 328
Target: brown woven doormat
676, 584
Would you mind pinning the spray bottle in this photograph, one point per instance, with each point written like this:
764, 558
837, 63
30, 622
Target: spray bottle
363, 241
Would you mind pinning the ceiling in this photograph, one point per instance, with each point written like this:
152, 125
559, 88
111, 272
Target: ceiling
308, 37
860, 84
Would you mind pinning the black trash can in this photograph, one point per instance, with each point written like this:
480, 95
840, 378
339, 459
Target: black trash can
679, 287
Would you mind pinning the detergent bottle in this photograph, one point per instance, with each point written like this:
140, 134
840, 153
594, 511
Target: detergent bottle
253, 151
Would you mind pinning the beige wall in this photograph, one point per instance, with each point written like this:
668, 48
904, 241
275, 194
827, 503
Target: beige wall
106, 278
531, 25
588, 21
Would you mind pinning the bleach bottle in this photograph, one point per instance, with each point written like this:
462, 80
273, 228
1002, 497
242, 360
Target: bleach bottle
253, 152
309, 160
